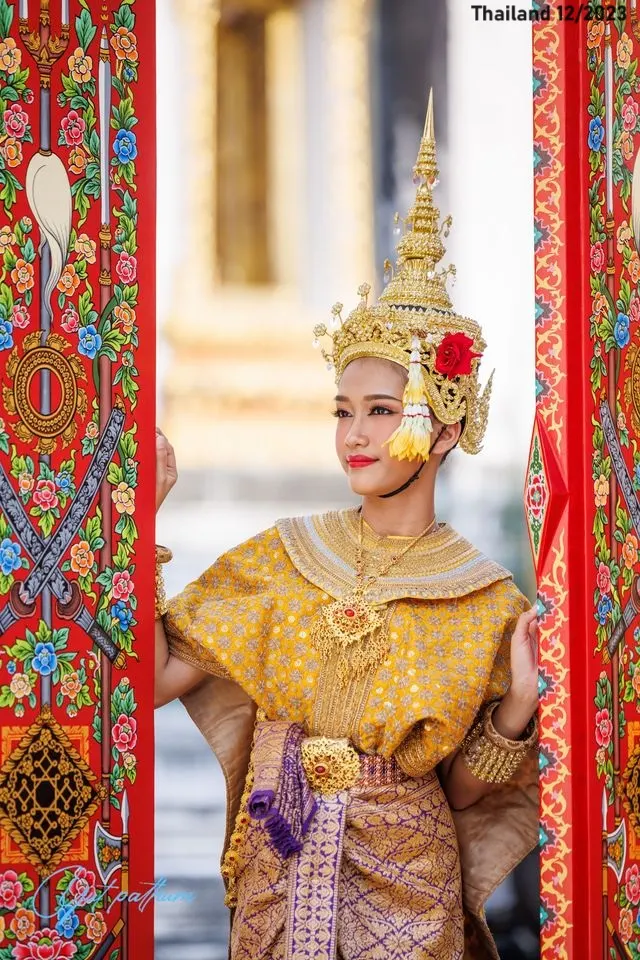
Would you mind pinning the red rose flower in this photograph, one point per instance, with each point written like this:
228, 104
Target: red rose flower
15, 121
597, 257
127, 268
454, 355
45, 944
125, 733
82, 887
10, 890
73, 127
604, 728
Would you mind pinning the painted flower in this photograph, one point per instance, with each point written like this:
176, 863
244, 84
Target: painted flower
11, 667
598, 258
19, 709
122, 613
127, 268
595, 33
26, 482
128, 73
601, 490
634, 309
27, 224
624, 50
28, 96
604, 609
22, 275
122, 585
81, 558
96, 926
635, 681
621, 330
77, 160
596, 134
80, 65
20, 685
7, 237
124, 498
71, 685
629, 114
82, 887
10, 55
45, 495
23, 924
603, 578
604, 728
45, 660
6, 335
10, 890
9, 556
601, 756
86, 247
632, 884
68, 921
625, 924
12, 152
630, 551
124, 44
623, 235
634, 266
600, 304
90, 341
129, 761
72, 710
15, 121
126, 315
124, 733
536, 496
622, 421
92, 430
63, 482
20, 316
70, 320
73, 128
69, 280
626, 144
125, 146
45, 944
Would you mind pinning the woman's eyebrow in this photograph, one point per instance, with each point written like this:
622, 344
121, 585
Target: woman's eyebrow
370, 396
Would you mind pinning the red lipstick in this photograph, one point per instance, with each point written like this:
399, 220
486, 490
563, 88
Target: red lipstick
360, 461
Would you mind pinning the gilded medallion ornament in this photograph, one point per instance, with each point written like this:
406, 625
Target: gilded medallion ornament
354, 628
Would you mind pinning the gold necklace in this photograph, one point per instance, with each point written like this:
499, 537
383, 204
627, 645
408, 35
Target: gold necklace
353, 627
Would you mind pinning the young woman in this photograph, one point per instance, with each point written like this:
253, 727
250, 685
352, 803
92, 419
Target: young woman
366, 677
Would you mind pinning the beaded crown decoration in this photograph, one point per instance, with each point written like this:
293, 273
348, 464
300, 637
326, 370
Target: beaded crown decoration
414, 324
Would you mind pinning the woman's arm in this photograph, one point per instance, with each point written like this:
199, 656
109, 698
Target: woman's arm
510, 718
461, 788
173, 677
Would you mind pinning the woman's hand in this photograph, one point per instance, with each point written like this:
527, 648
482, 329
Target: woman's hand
166, 470
521, 700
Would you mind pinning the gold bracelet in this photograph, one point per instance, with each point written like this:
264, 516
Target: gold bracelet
491, 757
163, 555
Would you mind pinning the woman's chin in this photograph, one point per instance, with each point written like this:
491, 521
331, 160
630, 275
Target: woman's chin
367, 486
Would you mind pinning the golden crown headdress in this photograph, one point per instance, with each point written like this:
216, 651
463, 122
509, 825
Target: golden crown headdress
414, 324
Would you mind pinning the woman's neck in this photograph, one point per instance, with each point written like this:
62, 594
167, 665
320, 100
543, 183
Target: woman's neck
406, 515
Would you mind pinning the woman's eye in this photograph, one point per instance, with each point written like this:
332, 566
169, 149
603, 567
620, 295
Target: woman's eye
341, 414
381, 410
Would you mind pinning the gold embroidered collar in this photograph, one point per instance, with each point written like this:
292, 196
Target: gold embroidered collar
442, 566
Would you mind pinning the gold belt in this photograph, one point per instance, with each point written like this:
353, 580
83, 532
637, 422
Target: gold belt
332, 765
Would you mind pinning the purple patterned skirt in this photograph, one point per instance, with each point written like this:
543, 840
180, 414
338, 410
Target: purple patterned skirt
366, 873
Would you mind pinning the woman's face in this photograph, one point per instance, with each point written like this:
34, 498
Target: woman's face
368, 407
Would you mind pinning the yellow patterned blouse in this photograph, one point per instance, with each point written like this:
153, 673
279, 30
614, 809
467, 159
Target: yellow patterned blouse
449, 611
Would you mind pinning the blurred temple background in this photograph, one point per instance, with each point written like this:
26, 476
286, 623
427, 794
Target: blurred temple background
287, 130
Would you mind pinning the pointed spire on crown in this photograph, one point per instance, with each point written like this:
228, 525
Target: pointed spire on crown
416, 281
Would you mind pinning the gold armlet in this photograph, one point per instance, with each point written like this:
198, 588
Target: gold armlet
163, 555
491, 757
